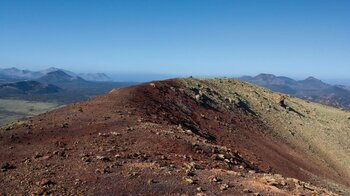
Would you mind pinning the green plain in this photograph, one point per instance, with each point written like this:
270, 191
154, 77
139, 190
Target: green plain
12, 110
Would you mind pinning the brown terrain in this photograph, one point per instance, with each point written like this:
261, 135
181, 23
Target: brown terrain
180, 136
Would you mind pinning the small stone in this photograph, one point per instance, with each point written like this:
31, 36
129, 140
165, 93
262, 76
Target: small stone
190, 180
308, 187
102, 158
45, 182
188, 131
64, 125
102, 171
46, 157
283, 183
246, 191
103, 134
77, 181
227, 160
131, 128
152, 181
214, 179
224, 187
39, 191
86, 159
62, 154
37, 155
116, 133
84, 155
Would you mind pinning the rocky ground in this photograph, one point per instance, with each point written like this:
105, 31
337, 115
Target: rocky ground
182, 136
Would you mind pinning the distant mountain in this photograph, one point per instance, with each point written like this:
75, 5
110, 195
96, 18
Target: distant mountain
28, 88
52, 69
270, 79
60, 77
10, 74
314, 83
14, 73
98, 77
311, 89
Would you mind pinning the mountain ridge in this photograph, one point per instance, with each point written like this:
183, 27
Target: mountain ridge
311, 89
15, 73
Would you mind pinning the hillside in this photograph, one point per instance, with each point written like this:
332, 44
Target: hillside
181, 136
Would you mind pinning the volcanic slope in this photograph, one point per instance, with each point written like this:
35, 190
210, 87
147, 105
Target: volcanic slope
180, 136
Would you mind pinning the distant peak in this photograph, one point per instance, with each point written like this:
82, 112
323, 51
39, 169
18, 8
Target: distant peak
311, 78
264, 76
57, 72
313, 81
50, 69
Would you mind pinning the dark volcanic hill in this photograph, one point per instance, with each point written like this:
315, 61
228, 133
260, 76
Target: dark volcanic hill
28, 88
60, 78
182, 136
55, 85
310, 89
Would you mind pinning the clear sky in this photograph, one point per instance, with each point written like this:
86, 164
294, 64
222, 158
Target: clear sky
295, 38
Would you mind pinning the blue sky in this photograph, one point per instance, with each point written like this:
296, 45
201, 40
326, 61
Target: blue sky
296, 38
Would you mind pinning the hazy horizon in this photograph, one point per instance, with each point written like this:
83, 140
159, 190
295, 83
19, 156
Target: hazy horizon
145, 77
